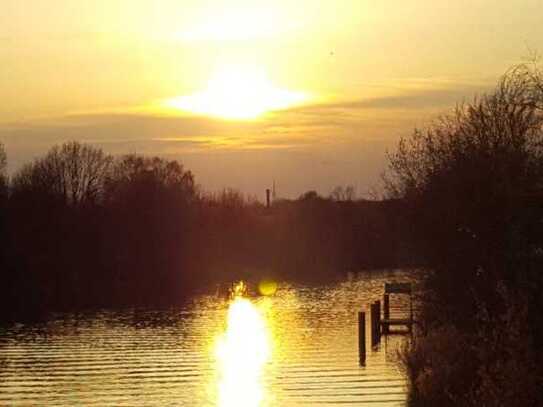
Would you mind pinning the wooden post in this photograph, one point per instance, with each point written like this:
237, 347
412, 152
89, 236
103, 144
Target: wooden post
411, 312
378, 305
374, 340
375, 323
386, 313
372, 324
362, 338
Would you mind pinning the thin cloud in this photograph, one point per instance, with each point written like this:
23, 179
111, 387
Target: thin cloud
406, 99
342, 126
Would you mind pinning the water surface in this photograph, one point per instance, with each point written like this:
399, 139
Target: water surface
297, 348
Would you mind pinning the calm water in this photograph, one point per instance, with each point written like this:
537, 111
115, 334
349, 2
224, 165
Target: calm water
297, 348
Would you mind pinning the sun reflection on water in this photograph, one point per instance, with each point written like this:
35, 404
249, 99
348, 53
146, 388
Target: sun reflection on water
242, 352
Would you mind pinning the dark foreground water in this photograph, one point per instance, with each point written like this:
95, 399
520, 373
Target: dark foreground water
297, 348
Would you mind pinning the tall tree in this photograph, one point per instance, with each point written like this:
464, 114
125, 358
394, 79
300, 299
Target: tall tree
474, 183
74, 173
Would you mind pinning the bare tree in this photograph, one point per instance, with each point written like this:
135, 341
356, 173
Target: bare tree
471, 184
3, 160
73, 172
470, 181
135, 171
3, 171
341, 193
500, 133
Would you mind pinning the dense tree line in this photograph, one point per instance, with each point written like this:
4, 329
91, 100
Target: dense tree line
81, 229
472, 184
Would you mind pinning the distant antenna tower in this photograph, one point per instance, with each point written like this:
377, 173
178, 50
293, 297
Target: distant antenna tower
273, 192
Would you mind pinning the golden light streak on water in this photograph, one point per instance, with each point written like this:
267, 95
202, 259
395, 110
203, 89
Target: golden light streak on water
241, 353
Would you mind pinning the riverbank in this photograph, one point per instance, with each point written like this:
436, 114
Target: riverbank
472, 181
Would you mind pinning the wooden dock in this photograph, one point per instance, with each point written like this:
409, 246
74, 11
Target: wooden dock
380, 324
387, 321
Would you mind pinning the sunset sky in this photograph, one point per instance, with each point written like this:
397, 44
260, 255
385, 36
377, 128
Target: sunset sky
310, 94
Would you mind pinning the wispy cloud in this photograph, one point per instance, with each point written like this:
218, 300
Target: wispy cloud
350, 136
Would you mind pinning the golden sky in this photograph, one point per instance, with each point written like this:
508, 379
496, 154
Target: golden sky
309, 93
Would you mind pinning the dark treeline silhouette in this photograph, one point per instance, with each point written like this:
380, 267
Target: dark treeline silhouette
81, 229
472, 186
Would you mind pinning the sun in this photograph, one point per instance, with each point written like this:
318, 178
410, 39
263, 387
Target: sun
237, 92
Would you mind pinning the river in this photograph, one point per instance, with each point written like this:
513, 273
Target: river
295, 348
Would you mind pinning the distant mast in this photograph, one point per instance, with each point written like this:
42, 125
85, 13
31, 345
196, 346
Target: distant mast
267, 198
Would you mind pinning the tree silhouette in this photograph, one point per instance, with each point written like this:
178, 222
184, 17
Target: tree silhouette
340, 193
73, 172
472, 182
470, 173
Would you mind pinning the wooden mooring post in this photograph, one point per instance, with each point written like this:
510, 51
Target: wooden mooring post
386, 313
375, 323
362, 338
381, 326
378, 321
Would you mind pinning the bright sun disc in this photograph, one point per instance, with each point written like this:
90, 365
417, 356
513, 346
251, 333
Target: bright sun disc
237, 93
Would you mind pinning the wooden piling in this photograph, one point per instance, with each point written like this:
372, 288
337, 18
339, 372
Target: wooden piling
378, 321
386, 313
375, 323
372, 325
362, 338
411, 312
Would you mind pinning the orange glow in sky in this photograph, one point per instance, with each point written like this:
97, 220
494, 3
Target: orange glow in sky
309, 94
